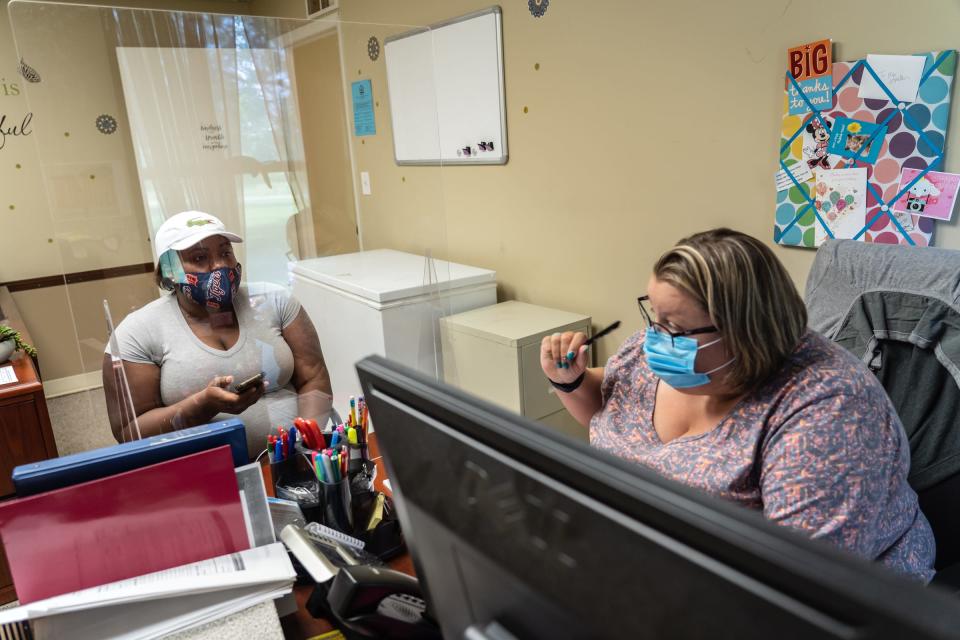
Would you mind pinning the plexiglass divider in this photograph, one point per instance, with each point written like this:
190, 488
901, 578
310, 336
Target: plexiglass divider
141, 115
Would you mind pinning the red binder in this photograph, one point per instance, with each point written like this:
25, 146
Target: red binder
153, 518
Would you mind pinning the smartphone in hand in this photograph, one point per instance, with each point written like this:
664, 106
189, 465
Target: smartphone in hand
249, 383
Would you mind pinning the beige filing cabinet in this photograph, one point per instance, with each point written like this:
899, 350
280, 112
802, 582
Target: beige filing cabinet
494, 353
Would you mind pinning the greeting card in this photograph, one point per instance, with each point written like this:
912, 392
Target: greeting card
811, 67
932, 196
857, 139
816, 138
899, 74
841, 201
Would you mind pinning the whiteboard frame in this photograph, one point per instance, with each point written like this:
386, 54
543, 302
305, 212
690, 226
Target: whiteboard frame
504, 155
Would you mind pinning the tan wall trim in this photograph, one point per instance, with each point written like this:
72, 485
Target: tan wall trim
72, 384
77, 276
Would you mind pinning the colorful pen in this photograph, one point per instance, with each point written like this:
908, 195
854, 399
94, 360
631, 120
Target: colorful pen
293, 438
316, 466
327, 468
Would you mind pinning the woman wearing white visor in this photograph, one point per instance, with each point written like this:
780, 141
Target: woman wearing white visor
184, 353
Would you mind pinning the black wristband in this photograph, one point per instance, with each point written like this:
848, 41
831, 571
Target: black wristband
567, 387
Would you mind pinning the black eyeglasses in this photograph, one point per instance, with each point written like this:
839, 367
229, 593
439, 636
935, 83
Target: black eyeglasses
659, 328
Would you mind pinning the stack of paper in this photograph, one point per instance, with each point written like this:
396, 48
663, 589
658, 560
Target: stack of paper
164, 602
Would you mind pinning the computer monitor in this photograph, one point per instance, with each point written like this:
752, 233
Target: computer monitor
510, 522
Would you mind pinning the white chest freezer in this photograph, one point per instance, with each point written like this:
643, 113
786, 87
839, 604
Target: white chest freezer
382, 302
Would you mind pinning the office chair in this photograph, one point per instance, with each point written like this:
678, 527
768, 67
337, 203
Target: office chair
898, 309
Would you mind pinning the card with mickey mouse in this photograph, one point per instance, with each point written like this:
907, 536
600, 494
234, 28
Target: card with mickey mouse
850, 138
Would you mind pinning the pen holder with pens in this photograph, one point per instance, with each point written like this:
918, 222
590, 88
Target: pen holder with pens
328, 503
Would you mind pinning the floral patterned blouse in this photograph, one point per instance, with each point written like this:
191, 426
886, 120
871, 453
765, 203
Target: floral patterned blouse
818, 447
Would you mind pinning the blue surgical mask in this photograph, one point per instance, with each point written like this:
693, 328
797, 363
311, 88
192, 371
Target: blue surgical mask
673, 360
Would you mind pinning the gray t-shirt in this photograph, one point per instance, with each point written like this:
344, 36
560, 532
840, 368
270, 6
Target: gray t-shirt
158, 334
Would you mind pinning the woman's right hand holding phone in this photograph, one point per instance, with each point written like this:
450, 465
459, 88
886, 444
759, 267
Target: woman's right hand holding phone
219, 398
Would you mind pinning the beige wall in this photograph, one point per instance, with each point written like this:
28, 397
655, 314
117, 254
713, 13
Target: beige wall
71, 184
646, 121
70, 331
326, 145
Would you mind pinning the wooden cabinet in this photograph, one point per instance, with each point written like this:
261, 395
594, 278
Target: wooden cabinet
25, 432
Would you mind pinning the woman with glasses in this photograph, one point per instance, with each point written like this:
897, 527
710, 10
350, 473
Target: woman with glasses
726, 389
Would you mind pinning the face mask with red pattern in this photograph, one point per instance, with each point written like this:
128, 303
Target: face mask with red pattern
212, 289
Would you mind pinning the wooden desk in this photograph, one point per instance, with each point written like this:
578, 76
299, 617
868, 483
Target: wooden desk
302, 625
25, 432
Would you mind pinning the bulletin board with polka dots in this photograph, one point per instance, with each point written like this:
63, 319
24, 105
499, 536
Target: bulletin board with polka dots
914, 139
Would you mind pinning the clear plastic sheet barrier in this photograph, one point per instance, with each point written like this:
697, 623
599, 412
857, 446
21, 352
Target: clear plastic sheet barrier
140, 115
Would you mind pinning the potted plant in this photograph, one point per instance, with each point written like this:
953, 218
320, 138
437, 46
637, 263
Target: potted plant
10, 341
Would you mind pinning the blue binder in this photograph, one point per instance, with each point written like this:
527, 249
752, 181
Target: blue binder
37, 477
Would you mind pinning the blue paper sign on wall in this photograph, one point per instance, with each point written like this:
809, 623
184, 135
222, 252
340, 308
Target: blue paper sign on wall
363, 121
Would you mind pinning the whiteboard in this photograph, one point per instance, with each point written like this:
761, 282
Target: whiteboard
445, 85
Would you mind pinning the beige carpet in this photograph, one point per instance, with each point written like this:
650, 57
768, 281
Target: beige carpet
80, 422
